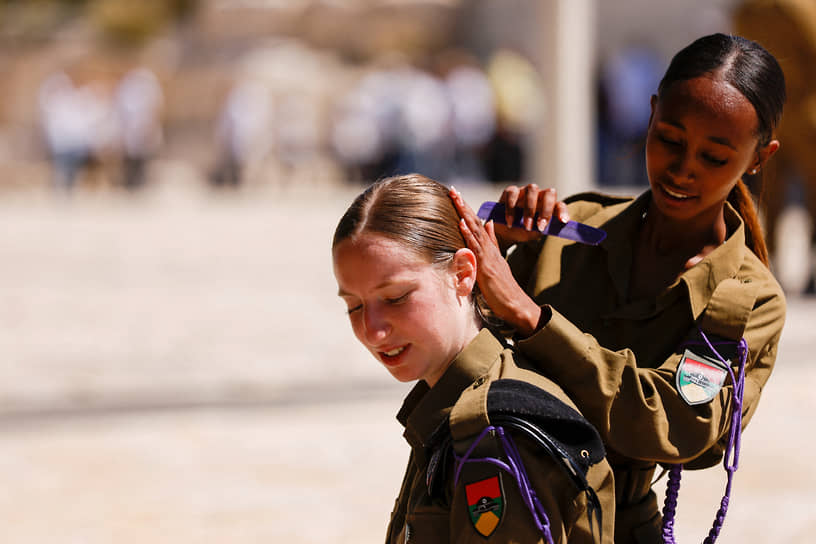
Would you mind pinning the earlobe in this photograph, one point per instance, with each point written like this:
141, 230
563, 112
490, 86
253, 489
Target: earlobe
763, 155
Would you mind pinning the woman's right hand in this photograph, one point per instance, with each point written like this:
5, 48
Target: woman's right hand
533, 201
506, 298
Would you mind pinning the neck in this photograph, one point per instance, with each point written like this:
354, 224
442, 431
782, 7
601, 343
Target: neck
665, 235
469, 332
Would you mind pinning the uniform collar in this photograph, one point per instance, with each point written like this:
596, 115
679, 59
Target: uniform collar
622, 223
699, 281
722, 263
426, 409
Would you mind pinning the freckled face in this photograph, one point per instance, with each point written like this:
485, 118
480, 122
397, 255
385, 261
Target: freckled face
701, 140
405, 311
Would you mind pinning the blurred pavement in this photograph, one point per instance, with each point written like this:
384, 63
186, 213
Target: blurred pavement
177, 368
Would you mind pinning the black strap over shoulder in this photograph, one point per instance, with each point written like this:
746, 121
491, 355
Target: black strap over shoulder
560, 425
556, 428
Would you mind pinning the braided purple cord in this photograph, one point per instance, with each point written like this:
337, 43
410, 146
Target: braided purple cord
540, 517
732, 447
464, 458
515, 467
734, 439
670, 504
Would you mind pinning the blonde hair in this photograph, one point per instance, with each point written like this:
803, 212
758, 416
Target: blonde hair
411, 209
418, 213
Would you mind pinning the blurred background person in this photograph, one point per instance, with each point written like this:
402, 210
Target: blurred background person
364, 134
243, 131
138, 105
76, 123
518, 95
474, 113
627, 80
425, 125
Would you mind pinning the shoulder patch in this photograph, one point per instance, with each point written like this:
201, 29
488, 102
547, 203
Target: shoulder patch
699, 378
485, 503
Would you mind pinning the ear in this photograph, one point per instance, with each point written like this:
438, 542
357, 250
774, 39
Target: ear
464, 270
762, 156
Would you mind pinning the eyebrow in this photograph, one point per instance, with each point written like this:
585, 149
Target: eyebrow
386, 283
722, 141
715, 139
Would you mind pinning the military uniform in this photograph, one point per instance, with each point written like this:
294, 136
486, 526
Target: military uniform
444, 499
618, 358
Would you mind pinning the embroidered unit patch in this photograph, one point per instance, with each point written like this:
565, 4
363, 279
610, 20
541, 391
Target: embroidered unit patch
699, 378
485, 504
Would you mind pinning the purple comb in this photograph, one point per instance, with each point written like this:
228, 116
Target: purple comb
571, 230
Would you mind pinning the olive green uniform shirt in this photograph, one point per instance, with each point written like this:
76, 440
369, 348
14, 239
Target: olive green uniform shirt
460, 399
617, 359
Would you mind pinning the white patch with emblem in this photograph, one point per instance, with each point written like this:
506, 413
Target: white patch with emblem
699, 378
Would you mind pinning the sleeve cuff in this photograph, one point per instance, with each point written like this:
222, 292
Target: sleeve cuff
554, 344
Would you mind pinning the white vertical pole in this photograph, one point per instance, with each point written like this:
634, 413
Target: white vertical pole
563, 153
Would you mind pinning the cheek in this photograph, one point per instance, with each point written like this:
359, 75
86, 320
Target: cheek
655, 156
438, 315
357, 326
721, 186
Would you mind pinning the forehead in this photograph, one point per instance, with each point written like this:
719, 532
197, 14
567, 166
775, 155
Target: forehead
375, 247
711, 102
371, 259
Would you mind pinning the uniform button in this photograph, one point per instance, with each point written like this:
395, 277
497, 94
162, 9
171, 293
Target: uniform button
479, 382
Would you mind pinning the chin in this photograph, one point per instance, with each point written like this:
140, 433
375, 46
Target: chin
404, 378
403, 375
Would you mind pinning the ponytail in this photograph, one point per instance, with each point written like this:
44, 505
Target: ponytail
742, 201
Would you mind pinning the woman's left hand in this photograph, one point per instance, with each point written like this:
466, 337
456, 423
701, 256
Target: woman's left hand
506, 298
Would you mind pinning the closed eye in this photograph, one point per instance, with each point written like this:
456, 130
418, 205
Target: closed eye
354, 309
668, 141
715, 161
399, 299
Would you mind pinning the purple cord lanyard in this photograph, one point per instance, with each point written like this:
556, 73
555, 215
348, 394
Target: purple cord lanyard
515, 467
730, 464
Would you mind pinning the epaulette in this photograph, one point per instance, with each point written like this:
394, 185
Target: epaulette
729, 308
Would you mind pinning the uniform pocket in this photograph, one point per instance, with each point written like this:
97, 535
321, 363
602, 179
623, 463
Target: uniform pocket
649, 532
639, 523
430, 526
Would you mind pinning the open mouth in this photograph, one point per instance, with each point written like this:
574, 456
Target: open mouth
674, 194
393, 356
394, 352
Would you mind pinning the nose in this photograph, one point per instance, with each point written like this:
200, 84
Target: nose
376, 326
680, 168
